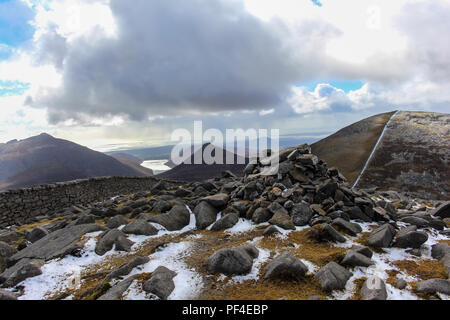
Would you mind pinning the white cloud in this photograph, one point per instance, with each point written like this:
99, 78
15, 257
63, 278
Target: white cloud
416, 94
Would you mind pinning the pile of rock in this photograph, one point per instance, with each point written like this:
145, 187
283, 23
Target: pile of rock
301, 191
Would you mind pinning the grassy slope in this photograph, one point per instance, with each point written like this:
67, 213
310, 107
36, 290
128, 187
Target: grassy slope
413, 156
349, 148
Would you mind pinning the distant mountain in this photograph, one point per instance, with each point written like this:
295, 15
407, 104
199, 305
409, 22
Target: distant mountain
45, 159
133, 162
404, 151
200, 172
164, 152
154, 153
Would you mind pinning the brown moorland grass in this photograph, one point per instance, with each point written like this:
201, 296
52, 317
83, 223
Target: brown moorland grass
424, 269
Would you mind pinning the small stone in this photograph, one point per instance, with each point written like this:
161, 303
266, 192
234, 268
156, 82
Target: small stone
401, 284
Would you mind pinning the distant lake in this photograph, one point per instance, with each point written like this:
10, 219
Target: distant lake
158, 166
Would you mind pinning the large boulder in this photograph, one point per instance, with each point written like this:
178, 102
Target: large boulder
277, 208
9, 236
433, 286
355, 259
417, 221
443, 211
301, 214
226, 222
57, 244
24, 269
374, 288
6, 250
205, 215
357, 214
161, 206
438, 251
282, 220
36, 234
161, 283
124, 270
7, 296
261, 215
382, 236
413, 239
85, 219
128, 267
107, 241
116, 222
333, 277
285, 264
116, 291
177, 218
122, 243
140, 227
237, 260
348, 227
219, 200
325, 232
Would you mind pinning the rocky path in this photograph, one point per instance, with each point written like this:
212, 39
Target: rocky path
301, 234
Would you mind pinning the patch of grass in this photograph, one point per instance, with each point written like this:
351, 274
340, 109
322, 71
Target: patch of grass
423, 269
392, 276
273, 289
358, 285
101, 291
22, 229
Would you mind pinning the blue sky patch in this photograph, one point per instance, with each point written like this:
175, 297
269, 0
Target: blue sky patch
13, 88
346, 85
15, 28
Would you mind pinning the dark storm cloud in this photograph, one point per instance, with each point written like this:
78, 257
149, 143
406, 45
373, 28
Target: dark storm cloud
172, 57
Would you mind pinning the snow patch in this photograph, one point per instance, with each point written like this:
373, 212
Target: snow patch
188, 283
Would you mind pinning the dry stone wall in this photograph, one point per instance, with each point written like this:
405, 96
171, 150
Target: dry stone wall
21, 206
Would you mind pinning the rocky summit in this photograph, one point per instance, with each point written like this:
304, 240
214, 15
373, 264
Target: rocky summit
301, 232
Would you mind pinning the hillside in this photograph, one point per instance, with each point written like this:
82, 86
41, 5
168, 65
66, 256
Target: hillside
413, 156
45, 159
349, 148
133, 162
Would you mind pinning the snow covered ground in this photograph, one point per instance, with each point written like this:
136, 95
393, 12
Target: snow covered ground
60, 274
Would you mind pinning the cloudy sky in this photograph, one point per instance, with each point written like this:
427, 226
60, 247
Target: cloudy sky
102, 72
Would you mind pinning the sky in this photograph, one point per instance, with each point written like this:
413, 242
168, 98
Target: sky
115, 72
